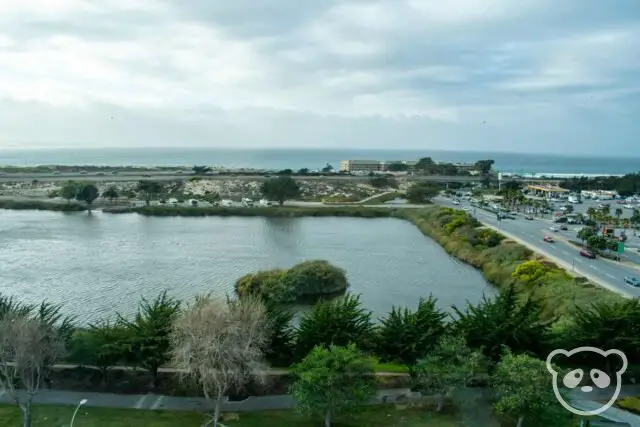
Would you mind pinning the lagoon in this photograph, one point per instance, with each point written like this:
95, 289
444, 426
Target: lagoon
99, 263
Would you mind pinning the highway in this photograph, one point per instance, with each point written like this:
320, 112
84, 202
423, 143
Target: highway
606, 273
172, 176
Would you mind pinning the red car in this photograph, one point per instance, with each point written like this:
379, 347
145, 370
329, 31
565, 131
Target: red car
587, 254
548, 239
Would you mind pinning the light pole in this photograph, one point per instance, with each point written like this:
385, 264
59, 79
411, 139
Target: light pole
82, 402
573, 264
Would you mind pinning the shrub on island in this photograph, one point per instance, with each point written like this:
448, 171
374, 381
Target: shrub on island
307, 280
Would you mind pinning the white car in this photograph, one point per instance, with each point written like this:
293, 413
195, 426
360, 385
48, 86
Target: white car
455, 202
554, 229
466, 209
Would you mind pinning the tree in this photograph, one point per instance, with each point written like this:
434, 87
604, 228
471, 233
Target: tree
220, 345
28, 349
102, 345
69, 191
568, 209
398, 167
591, 213
285, 172
111, 193
280, 347
586, 233
201, 170
327, 168
598, 243
147, 336
281, 188
149, 189
484, 166
450, 367
87, 193
524, 388
422, 192
618, 213
341, 322
334, 380
406, 335
383, 182
502, 322
424, 163
303, 171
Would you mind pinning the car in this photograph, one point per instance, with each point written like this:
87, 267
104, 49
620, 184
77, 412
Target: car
466, 209
100, 174
83, 173
114, 172
633, 281
455, 202
587, 254
529, 217
548, 239
554, 229
146, 175
564, 227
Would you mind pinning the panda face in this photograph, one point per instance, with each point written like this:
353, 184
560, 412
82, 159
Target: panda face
577, 380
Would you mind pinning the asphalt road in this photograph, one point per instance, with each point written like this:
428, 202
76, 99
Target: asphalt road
171, 176
606, 273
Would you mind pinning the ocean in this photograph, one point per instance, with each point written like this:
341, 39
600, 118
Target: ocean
523, 164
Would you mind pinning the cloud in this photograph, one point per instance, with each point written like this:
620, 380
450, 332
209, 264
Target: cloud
465, 74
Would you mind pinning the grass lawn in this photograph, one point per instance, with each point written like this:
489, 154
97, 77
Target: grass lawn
56, 416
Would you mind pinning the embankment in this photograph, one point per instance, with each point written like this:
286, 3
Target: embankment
41, 205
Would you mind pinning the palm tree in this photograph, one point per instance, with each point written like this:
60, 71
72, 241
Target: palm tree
618, 213
591, 213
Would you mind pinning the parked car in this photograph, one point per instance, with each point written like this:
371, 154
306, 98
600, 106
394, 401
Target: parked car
633, 281
564, 227
587, 254
529, 217
548, 239
554, 229
455, 202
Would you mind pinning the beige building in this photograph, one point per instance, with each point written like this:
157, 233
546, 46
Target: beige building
359, 166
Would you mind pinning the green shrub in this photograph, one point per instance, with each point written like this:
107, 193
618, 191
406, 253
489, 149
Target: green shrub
41, 206
629, 403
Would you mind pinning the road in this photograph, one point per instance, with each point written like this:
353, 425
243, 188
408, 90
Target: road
606, 273
172, 176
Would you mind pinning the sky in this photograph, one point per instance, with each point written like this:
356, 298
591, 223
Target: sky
483, 75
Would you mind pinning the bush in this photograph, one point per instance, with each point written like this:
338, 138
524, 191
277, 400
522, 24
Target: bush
629, 403
41, 206
304, 280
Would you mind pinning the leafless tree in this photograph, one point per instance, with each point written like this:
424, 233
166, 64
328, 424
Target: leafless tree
28, 349
220, 345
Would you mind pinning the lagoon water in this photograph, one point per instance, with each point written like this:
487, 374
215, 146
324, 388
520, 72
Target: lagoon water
96, 264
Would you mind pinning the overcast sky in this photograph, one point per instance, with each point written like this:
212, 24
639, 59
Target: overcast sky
490, 75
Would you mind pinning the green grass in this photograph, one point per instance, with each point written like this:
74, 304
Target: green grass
41, 205
391, 367
321, 211
383, 198
55, 416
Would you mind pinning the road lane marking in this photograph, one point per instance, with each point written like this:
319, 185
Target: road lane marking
141, 402
157, 403
610, 275
594, 267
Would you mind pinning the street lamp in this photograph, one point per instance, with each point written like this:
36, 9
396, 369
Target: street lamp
82, 402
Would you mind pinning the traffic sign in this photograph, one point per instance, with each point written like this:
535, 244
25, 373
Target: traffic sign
620, 247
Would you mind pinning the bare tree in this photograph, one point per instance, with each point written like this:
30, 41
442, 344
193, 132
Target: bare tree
220, 345
28, 348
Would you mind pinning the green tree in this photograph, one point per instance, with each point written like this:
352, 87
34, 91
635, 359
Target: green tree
598, 243
448, 368
586, 233
406, 335
201, 170
149, 189
341, 322
69, 191
303, 171
281, 189
280, 348
503, 321
102, 345
618, 213
383, 182
424, 163
333, 381
591, 213
111, 193
327, 168
398, 167
422, 192
285, 172
568, 209
484, 166
87, 193
147, 335
524, 389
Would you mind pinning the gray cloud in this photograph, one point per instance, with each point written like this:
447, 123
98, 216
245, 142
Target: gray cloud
471, 74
